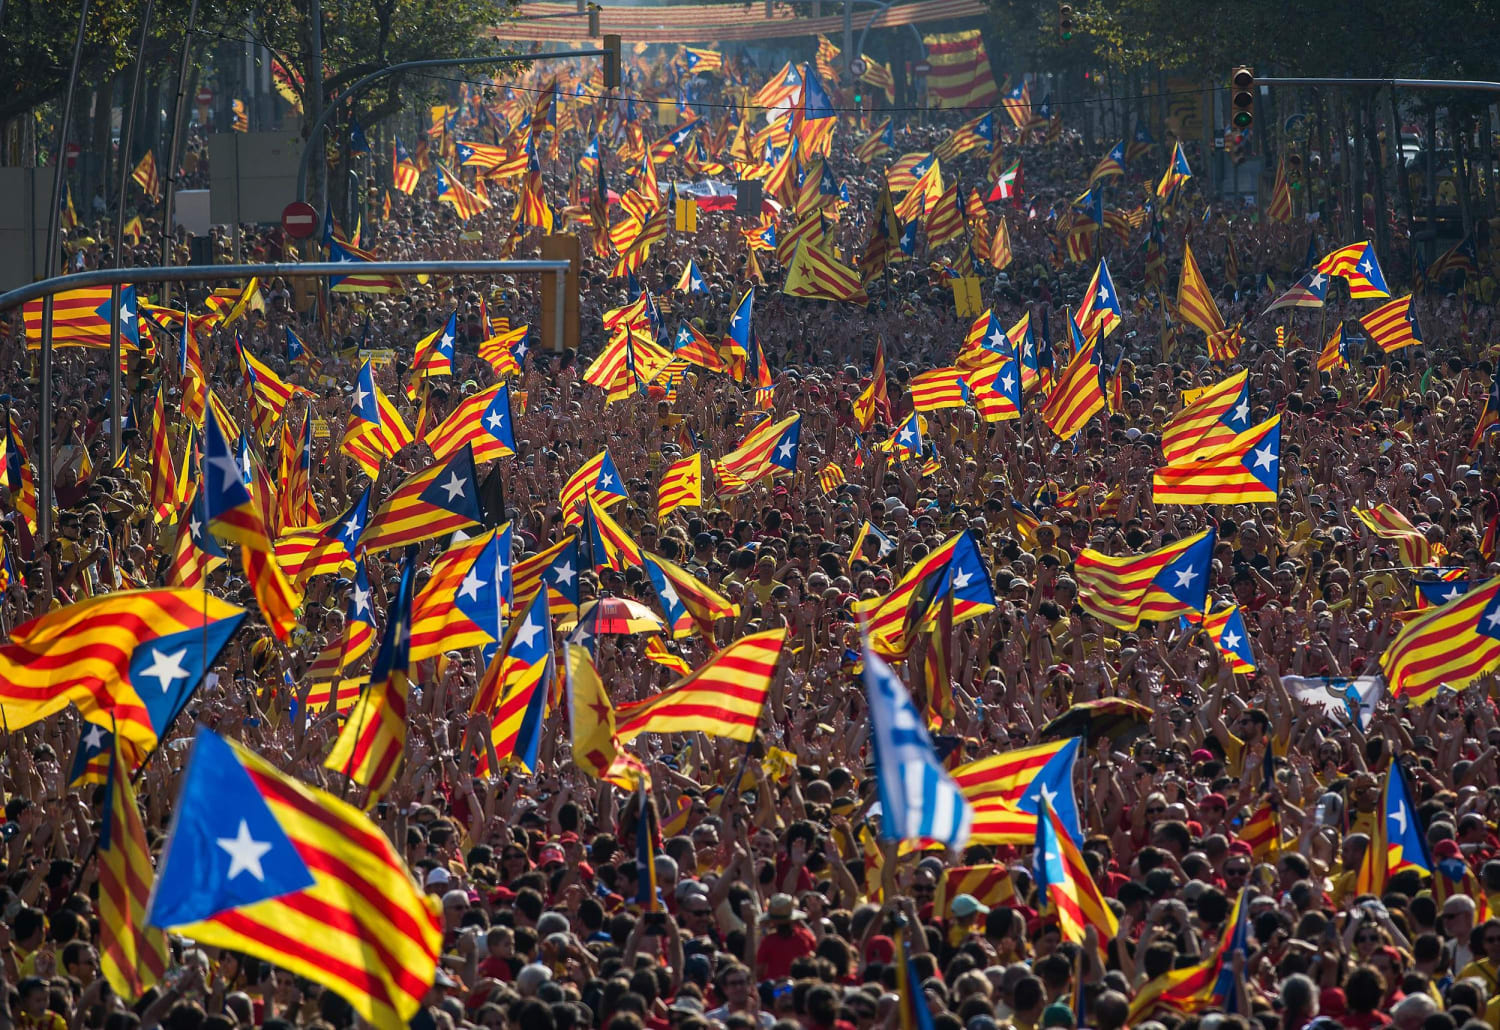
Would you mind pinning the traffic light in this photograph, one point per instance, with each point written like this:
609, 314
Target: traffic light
611, 61
1242, 97
593, 21
1065, 22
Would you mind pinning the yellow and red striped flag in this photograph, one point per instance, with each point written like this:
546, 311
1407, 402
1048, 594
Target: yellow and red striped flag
874, 399
897, 617
1263, 832
336, 904
724, 697
1453, 644
1247, 469
960, 75
1065, 884
937, 389
987, 884
164, 498
132, 954
1125, 590
352, 644
681, 486
1001, 254
1390, 325
1211, 417
515, 690
1388, 523
500, 350
817, 274
944, 220
369, 749
599, 478
1280, 208
830, 477
688, 603
1332, 355
375, 430
1077, 397
1195, 302
147, 177
298, 507
1357, 266
431, 503
483, 422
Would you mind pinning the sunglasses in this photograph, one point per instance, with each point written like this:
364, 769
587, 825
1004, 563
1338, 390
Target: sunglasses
1156, 810
1365, 938
1237, 871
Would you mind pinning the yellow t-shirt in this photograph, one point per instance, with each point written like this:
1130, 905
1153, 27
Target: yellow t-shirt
1234, 752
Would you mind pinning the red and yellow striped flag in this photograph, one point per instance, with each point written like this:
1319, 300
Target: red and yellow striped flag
1263, 833
164, 498
1280, 209
1387, 522
681, 486
723, 698
1453, 644
132, 955
146, 176
369, 749
1390, 325
1247, 469
987, 884
937, 389
1195, 302
1077, 397
830, 478
944, 220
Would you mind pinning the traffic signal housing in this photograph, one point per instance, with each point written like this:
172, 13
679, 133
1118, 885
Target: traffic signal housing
1242, 97
611, 60
1065, 22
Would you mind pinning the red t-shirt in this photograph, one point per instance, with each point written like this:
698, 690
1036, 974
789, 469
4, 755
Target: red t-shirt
496, 968
774, 957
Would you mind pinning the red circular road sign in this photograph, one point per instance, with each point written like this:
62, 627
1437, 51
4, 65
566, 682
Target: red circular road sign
205, 97
299, 219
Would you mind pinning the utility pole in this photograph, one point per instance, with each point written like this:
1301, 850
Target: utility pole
315, 94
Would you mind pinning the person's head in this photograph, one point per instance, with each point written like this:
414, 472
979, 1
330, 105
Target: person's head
1028, 998
1486, 939
1457, 920
1299, 1000
1364, 989
80, 961
1413, 1011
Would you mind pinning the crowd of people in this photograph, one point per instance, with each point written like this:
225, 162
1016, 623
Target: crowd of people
779, 907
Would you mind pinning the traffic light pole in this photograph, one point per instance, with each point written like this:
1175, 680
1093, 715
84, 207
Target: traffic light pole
1463, 85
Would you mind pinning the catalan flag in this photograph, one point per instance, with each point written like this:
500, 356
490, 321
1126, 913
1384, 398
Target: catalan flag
554, 568
1280, 208
906, 441
234, 515
944, 219
937, 389
404, 172
147, 177
435, 501
1077, 397
467, 594
451, 191
817, 273
355, 281
597, 477
688, 603
506, 350
1452, 875
1307, 292
516, 687
722, 698
369, 749
1226, 628
770, 448
128, 660
681, 486
1208, 985
591, 716
1387, 523
195, 553
1335, 352
352, 644
691, 345
132, 955
880, 141
918, 799
1017, 104
82, 318
482, 422
987, 884
1244, 470
830, 477
1195, 302
1064, 881
1215, 416
163, 471
1125, 590
874, 399
1013, 784
93, 757
375, 430
956, 565
1397, 841
263, 864
1110, 165
1356, 264
603, 542
327, 547
1099, 311
298, 508
691, 280
1391, 325
1176, 175
868, 531
1453, 644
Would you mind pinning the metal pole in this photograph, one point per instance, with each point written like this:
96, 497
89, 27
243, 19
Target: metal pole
172, 160
127, 139
321, 123
268, 270
1468, 85
54, 245
559, 338
315, 108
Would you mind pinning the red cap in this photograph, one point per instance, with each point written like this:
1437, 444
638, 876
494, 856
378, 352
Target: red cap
1445, 849
569, 837
502, 896
1214, 799
880, 949
1239, 847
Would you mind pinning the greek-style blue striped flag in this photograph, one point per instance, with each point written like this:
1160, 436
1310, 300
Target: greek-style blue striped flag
918, 800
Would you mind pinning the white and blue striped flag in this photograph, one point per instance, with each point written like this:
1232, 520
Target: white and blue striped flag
918, 800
